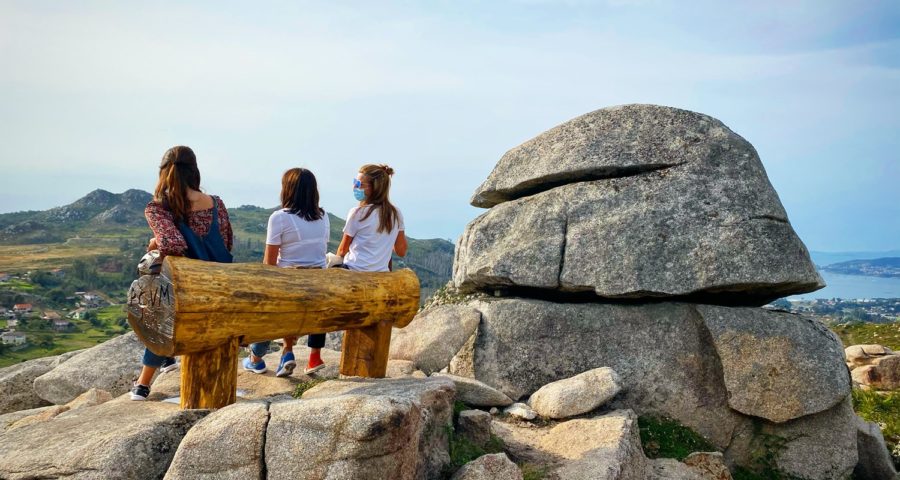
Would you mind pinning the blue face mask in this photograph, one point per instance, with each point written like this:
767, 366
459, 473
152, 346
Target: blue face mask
359, 194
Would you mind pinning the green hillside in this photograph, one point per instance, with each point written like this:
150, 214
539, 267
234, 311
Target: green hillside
108, 231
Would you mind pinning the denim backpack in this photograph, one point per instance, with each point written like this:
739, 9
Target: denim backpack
210, 247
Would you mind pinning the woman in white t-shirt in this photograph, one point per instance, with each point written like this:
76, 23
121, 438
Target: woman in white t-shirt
375, 227
296, 237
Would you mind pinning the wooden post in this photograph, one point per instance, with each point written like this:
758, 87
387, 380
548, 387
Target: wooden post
364, 351
209, 378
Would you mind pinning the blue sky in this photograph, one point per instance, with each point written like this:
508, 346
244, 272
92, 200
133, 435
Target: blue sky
92, 93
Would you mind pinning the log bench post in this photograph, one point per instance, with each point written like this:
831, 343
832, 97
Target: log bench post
203, 311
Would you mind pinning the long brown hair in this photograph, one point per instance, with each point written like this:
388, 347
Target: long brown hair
379, 176
300, 194
178, 173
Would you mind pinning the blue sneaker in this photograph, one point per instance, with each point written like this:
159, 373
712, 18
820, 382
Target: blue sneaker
258, 367
287, 365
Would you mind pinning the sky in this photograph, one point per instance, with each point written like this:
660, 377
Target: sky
92, 93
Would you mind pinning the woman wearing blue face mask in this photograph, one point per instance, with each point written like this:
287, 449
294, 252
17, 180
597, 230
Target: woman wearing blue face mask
375, 227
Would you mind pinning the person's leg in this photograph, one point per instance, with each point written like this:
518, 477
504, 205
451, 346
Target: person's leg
257, 350
287, 364
254, 362
150, 362
315, 343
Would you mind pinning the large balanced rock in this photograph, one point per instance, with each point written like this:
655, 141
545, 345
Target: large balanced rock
574, 396
227, 444
110, 366
674, 359
434, 336
362, 429
17, 383
123, 440
632, 202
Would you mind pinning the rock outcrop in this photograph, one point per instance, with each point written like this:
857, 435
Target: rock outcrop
362, 429
634, 202
17, 382
433, 338
495, 466
874, 366
119, 439
641, 238
227, 444
576, 395
110, 366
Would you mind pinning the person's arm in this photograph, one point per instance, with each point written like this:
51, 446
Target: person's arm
224, 224
270, 257
152, 244
168, 239
344, 248
400, 244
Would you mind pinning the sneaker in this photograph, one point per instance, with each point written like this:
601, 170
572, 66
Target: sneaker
140, 392
258, 367
287, 365
314, 368
168, 365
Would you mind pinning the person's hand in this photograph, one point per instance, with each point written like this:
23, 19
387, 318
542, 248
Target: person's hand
152, 245
332, 260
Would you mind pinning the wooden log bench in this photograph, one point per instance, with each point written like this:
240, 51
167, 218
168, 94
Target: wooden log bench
203, 311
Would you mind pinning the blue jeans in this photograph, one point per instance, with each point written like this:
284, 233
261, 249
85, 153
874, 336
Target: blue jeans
153, 360
313, 341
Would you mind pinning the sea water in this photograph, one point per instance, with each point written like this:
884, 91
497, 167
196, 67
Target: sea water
853, 287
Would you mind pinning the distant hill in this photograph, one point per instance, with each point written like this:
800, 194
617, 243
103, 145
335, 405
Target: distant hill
877, 267
823, 259
96, 214
102, 217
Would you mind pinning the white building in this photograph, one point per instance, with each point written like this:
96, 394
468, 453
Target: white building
13, 338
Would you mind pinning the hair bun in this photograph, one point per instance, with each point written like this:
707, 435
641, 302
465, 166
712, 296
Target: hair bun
388, 170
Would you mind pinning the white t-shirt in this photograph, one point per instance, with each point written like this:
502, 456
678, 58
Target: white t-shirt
303, 243
370, 251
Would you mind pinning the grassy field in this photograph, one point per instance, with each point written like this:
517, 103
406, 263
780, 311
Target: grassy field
22, 258
887, 334
84, 335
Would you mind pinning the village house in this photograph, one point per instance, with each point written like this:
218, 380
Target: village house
91, 301
22, 308
78, 313
50, 315
62, 325
4, 277
58, 272
13, 338
12, 322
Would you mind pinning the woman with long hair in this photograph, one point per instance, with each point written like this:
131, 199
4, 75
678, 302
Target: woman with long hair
185, 222
374, 228
296, 237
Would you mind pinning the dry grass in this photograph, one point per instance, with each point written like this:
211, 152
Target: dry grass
22, 258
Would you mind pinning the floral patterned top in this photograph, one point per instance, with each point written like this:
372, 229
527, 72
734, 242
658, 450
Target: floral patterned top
170, 241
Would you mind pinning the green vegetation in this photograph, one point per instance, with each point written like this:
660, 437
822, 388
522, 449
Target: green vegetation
887, 334
302, 387
462, 451
882, 408
667, 438
533, 472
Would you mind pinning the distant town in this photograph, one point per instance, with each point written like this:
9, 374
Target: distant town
838, 310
